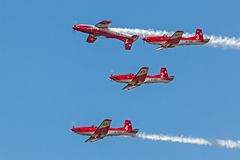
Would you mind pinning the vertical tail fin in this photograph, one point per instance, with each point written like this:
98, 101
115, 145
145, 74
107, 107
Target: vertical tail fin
199, 34
127, 125
163, 73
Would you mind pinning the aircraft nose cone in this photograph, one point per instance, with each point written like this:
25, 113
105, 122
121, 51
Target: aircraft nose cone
73, 129
74, 27
145, 39
113, 77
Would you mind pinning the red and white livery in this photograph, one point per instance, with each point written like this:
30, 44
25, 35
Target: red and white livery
102, 29
104, 130
141, 77
176, 40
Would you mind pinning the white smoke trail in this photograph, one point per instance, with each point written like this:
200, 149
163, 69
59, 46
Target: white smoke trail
215, 41
189, 140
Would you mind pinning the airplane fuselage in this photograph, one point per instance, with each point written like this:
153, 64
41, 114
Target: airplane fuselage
161, 40
88, 131
149, 79
107, 32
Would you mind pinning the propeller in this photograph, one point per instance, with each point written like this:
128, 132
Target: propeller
111, 72
73, 124
74, 24
143, 39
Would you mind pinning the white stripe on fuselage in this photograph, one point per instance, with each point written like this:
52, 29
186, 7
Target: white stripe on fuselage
85, 133
147, 80
181, 42
124, 81
110, 31
110, 133
118, 133
155, 80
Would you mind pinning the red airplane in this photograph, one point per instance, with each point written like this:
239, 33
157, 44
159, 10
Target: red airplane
101, 29
104, 130
176, 40
141, 78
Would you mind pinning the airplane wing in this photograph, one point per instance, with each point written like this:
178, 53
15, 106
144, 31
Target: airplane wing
130, 86
91, 38
92, 139
138, 79
101, 131
103, 24
173, 40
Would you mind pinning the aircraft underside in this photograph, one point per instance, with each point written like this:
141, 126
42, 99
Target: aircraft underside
183, 42
112, 133
110, 34
156, 80
147, 80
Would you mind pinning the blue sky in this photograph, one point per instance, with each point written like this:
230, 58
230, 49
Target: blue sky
51, 78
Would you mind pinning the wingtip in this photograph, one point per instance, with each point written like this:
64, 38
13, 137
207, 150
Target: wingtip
107, 21
107, 119
180, 31
144, 67
159, 49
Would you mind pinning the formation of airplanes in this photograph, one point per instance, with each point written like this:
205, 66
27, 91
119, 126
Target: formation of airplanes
104, 130
132, 80
164, 41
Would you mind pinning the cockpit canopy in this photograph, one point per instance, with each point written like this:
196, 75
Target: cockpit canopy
164, 35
